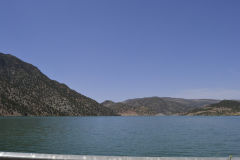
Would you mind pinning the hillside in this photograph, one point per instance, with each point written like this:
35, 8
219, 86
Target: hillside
225, 107
157, 105
127, 110
24, 90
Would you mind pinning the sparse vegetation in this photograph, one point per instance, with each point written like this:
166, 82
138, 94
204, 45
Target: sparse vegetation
157, 105
24, 90
225, 107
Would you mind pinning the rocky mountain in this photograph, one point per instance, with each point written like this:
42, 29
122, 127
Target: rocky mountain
225, 107
157, 105
24, 90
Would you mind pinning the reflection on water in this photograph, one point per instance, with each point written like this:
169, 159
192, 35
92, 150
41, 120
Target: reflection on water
131, 136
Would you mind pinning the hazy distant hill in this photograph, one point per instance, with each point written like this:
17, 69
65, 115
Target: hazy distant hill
24, 90
157, 105
225, 107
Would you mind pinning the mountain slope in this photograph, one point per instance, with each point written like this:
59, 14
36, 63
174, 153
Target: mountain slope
24, 90
157, 105
225, 107
126, 110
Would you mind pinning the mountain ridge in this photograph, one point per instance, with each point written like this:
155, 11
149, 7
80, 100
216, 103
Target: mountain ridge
224, 107
25, 90
157, 105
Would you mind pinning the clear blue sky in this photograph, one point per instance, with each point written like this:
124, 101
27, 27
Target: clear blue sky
120, 49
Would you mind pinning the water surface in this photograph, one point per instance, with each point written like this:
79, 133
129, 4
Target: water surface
123, 136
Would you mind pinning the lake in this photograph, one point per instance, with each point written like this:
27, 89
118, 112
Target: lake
170, 136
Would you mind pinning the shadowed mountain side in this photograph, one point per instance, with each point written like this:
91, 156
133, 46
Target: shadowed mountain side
24, 90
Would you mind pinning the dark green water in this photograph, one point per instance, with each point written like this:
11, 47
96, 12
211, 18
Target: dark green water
129, 136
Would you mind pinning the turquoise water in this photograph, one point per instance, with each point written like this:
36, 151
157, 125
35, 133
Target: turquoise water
128, 136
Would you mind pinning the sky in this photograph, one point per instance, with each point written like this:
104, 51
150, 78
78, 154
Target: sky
121, 49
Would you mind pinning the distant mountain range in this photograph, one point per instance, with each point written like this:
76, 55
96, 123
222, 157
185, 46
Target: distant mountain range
157, 105
225, 107
26, 91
